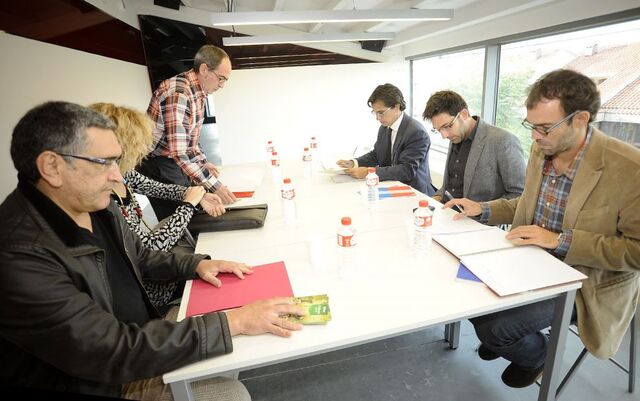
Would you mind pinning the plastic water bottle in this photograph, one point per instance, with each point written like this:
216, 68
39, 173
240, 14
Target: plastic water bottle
346, 252
307, 159
288, 194
313, 147
422, 219
270, 149
372, 181
276, 172
315, 152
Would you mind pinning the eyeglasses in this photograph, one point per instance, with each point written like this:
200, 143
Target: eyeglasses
380, 113
545, 131
106, 163
221, 78
447, 126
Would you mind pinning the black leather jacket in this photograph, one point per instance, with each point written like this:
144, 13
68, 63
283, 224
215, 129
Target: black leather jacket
57, 328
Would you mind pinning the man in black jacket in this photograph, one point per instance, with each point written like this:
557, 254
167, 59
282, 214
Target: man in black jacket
74, 315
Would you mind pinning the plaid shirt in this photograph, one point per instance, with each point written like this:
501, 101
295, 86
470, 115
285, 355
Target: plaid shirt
177, 108
552, 199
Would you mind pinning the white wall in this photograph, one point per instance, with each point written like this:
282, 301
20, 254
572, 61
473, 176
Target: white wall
33, 72
289, 105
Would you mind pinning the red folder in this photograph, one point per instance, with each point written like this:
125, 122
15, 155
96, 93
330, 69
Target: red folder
267, 281
245, 194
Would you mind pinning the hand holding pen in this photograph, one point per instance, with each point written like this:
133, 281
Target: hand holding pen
466, 207
449, 197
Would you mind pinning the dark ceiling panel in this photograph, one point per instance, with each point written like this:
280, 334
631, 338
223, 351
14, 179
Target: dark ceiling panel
170, 46
166, 46
75, 24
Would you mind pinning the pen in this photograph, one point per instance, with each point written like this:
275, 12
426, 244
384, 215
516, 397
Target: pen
455, 207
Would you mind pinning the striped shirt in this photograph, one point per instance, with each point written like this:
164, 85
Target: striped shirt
177, 109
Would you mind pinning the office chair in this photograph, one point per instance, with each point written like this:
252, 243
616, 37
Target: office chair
634, 326
452, 336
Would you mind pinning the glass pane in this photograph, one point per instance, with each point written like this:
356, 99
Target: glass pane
609, 55
461, 72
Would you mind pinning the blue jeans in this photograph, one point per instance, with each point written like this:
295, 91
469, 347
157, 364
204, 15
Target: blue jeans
515, 334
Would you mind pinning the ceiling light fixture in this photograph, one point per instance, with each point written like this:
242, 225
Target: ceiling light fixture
306, 38
315, 17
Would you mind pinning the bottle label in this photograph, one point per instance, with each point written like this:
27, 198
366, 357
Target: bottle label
288, 193
275, 163
346, 241
422, 221
372, 181
306, 157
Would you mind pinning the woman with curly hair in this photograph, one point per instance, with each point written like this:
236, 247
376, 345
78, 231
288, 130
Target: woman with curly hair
134, 133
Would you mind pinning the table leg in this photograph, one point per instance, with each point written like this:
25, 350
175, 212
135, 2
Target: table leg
452, 334
557, 342
181, 391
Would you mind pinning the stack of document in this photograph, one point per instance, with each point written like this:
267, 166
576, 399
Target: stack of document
505, 268
243, 181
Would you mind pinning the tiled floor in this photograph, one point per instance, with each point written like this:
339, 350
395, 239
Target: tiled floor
420, 366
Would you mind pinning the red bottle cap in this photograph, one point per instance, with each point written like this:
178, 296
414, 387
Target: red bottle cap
423, 203
346, 221
371, 169
287, 180
274, 153
306, 149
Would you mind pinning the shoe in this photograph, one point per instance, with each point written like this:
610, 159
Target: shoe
486, 354
517, 377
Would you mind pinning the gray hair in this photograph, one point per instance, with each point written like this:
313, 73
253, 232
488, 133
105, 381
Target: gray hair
210, 55
55, 126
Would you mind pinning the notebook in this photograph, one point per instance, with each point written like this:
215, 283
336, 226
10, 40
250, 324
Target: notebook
470, 242
267, 281
519, 269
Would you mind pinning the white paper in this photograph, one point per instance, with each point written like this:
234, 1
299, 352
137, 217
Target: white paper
519, 269
443, 222
330, 167
470, 242
339, 178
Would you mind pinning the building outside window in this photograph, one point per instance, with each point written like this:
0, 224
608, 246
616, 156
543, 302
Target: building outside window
610, 55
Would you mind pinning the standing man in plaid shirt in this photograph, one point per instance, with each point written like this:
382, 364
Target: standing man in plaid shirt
581, 202
177, 108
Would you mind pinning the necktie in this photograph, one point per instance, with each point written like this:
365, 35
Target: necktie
388, 158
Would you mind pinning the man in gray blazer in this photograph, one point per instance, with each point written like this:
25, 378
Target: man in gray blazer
484, 162
401, 151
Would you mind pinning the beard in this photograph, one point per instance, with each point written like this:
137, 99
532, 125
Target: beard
566, 141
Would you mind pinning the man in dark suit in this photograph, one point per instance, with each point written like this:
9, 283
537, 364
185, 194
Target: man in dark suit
401, 151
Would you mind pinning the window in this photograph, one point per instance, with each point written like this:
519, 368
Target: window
461, 72
610, 55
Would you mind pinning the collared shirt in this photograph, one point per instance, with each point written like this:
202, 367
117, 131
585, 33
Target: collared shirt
394, 133
552, 199
177, 108
458, 163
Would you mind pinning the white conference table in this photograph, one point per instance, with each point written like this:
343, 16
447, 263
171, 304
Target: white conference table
388, 291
